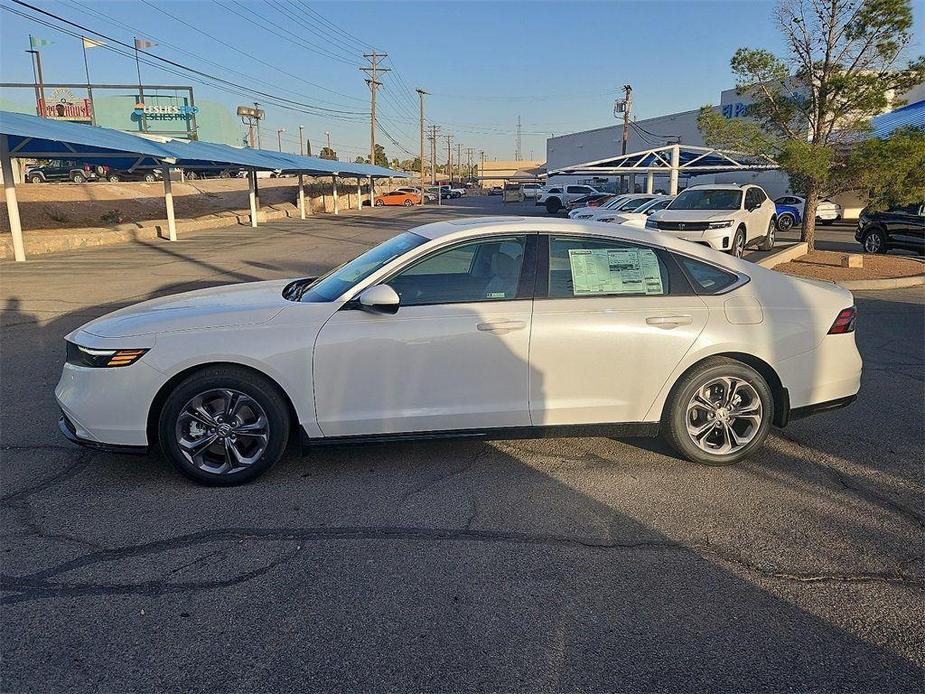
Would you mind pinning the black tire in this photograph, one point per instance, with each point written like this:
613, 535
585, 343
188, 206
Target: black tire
767, 243
675, 418
192, 175
407, 203
553, 205
150, 178
78, 178
785, 222
738, 243
113, 178
827, 222
874, 241
254, 386
379, 203
36, 179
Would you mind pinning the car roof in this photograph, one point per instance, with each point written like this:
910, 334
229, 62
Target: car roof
474, 227
720, 186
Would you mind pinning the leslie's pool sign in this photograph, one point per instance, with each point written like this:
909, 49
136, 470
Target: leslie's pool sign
170, 112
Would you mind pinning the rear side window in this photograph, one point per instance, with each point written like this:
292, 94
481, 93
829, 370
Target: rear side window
598, 267
706, 278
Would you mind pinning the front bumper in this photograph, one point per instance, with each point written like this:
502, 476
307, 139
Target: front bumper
717, 239
66, 427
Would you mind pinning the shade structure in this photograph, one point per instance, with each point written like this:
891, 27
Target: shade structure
909, 116
25, 136
30, 136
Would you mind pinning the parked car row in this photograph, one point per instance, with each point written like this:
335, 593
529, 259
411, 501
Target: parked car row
60, 170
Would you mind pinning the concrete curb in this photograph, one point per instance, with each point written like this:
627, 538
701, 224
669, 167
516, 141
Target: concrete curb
891, 283
784, 255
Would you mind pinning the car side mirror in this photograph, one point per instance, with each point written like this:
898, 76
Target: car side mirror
380, 298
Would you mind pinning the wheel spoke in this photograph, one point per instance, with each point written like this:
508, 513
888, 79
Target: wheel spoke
195, 447
728, 424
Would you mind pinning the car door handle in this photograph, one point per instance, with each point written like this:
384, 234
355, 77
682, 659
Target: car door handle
668, 322
504, 326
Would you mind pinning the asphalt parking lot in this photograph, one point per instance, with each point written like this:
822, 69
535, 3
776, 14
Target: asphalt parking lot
545, 565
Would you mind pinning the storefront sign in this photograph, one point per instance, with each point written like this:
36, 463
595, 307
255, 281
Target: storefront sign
170, 112
63, 105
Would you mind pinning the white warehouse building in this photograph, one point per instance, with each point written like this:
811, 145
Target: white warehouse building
601, 143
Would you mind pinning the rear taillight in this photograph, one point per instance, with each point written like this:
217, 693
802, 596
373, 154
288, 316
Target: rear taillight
845, 322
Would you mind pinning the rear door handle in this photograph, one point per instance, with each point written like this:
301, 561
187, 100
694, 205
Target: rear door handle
503, 326
668, 322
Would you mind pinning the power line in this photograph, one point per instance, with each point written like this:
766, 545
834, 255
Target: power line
306, 107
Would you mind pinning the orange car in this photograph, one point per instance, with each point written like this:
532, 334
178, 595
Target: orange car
398, 198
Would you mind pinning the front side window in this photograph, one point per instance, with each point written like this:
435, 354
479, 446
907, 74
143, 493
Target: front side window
603, 267
578, 189
333, 284
486, 270
632, 205
706, 199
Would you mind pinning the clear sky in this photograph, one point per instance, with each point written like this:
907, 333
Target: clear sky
557, 65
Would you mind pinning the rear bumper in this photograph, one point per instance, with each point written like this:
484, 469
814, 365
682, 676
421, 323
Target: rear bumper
819, 407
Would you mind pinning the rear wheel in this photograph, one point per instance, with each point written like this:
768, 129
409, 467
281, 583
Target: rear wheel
874, 241
718, 413
827, 222
113, 178
553, 205
36, 179
738, 243
192, 175
150, 178
224, 426
78, 178
407, 203
379, 203
767, 243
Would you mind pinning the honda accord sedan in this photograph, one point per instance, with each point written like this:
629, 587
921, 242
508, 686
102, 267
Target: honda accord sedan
495, 328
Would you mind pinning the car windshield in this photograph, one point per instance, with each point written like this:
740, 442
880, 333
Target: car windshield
614, 203
720, 199
331, 285
632, 205
653, 205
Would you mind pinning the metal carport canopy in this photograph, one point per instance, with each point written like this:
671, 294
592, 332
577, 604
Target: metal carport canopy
671, 160
23, 135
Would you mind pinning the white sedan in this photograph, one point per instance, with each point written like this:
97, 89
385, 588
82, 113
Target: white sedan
493, 328
636, 218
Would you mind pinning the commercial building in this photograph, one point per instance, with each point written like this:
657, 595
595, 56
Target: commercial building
497, 173
593, 145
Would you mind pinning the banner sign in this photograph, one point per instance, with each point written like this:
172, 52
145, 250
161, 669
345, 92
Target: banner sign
171, 112
63, 105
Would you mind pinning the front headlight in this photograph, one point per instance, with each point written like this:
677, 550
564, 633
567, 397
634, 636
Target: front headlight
79, 355
651, 224
720, 225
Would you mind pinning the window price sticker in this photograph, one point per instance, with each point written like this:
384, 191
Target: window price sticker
614, 271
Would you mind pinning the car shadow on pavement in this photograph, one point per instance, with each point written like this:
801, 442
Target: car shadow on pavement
555, 564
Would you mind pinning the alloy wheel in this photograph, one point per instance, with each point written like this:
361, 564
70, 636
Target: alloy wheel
738, 249
724, 415
785, 222
222, 431
872, 243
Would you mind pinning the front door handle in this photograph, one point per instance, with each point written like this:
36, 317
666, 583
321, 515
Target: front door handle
503, 326
669, 322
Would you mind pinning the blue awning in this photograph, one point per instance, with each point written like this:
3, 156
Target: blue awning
45, 138
909, 116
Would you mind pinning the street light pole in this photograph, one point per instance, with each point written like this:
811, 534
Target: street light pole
421, 94
301, 143
279, 138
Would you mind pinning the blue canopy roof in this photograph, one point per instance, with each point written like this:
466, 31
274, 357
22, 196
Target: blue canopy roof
911, 115
45, 138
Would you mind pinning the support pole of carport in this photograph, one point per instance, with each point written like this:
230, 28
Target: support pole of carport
253, 196
334, 185
372, 193
301, 196
12, 206
168, 203
675, 163
359, 194
650, 182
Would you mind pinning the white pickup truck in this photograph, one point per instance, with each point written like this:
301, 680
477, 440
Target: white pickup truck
555, 197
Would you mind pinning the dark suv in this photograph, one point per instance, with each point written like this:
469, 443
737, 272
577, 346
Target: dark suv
900, 226
64, 170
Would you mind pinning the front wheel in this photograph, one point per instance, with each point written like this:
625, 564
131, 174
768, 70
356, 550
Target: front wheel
874, 241
718, 413
379, 203
113, 178
224, 426
36, 179
826, 222
407, 203
79, 178
738, 244
553, 205
150, 178
192, 175
785, 222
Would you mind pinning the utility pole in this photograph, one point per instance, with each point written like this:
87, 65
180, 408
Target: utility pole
459, 160
301, 142
39, 78
433, 161
421, 94
373, 81
518, 142
482, 172
449, 159
327, 134
279, 138
627, 107
259, 116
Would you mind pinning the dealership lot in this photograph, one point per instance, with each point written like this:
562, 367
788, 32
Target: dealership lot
556, 564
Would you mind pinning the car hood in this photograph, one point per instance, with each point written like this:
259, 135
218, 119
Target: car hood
694, 215
250, 303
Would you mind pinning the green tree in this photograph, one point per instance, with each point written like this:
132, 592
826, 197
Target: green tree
892, 170
811, 107
361, 160
381, 158
328, 153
